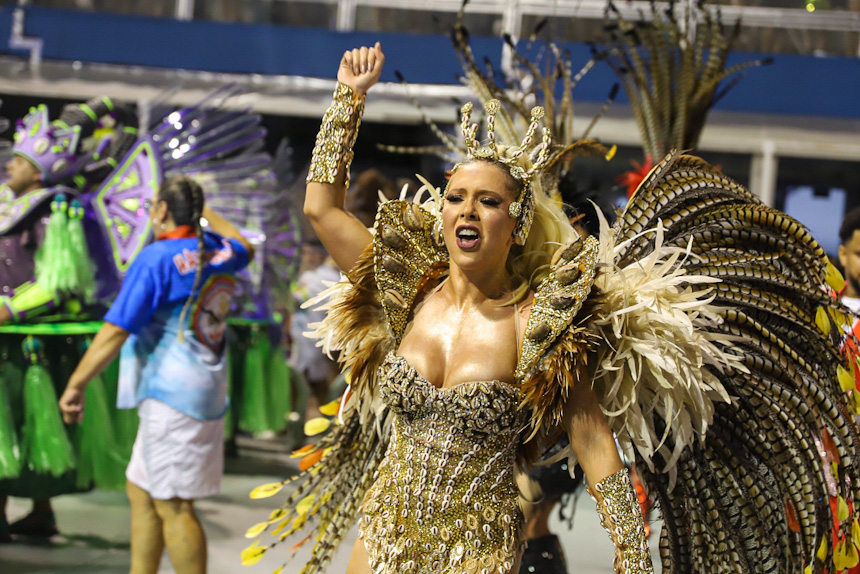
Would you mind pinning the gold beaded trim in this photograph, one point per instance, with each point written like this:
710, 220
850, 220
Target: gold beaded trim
337, 135
621, 517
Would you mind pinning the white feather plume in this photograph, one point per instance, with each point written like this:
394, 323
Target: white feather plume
659, 357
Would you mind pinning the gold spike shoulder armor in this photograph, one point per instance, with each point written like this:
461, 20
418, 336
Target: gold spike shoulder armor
558, 300
408, 253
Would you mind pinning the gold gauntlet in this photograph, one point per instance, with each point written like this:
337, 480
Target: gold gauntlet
337, 136
621, 517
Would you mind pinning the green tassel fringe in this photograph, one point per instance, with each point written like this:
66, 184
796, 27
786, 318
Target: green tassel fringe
125, 421
79, 257
51, 264
63, 265
253, 415
278, 385
45, 445
99, 461
10, 451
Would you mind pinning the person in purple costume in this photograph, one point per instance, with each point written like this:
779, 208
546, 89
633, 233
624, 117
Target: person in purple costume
46, 158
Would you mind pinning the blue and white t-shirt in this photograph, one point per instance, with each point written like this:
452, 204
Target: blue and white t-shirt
190, 376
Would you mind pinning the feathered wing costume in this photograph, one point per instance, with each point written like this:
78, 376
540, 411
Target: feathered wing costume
724, 431
717, 364
749, 480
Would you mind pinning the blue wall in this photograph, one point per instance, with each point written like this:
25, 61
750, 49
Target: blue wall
802, 85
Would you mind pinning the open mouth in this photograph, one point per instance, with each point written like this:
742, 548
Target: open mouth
468, 237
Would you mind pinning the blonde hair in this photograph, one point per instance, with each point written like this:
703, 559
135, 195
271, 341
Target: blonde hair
529, 264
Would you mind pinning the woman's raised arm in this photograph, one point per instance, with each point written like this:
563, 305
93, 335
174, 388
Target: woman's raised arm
343, 234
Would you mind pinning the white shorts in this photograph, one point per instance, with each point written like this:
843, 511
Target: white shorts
174, 455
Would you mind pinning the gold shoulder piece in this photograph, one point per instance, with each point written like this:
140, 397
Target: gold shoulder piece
407, 254
558, 299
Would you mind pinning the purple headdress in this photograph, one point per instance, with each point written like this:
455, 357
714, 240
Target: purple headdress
53, 147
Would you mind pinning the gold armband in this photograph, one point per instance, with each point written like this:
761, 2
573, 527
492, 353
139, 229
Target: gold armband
337, 136
621, 517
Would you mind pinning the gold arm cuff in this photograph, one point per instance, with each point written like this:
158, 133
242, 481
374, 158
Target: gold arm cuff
621, 517
337, 136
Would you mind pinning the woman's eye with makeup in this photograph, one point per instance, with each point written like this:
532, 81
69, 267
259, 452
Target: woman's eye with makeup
454, 198
491, 201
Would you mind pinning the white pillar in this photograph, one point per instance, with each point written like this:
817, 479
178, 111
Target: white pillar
512, 23
184, 9
763, 173
345, 15
18, 40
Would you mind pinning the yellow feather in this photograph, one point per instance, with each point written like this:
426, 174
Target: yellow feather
842, 320
317, 426
267, 490
856, 402
808, 570
277, 514
822, 549
330, 409
252, 554
839, 556
834, 278
256, 530
305, 504
611, 153
297, 524
846, 381
851, 557
280, 527
279, 570
822, 321
842, 510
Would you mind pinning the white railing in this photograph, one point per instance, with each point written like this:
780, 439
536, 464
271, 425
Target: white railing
512, 12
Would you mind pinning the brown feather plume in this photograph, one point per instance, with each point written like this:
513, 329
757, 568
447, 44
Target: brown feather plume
356, 328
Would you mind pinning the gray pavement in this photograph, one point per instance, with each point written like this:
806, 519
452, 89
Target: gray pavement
95, 533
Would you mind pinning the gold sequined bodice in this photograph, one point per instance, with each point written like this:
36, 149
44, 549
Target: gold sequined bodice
445, 499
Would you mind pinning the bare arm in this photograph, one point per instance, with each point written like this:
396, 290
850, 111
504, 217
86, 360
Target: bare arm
590, 436
226, 229
104, 349
343, 235
594, 447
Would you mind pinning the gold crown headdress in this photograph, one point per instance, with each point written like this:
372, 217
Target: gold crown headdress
524, 162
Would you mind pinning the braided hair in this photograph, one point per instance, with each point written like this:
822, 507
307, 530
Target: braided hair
184, 199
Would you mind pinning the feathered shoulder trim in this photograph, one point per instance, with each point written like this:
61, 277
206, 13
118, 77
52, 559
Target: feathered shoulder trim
355, 329
557, 343
367, 313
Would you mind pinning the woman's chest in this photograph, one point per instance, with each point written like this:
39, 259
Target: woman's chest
448, 347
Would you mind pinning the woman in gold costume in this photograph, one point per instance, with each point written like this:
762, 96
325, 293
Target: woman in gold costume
477, 327
447, 484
